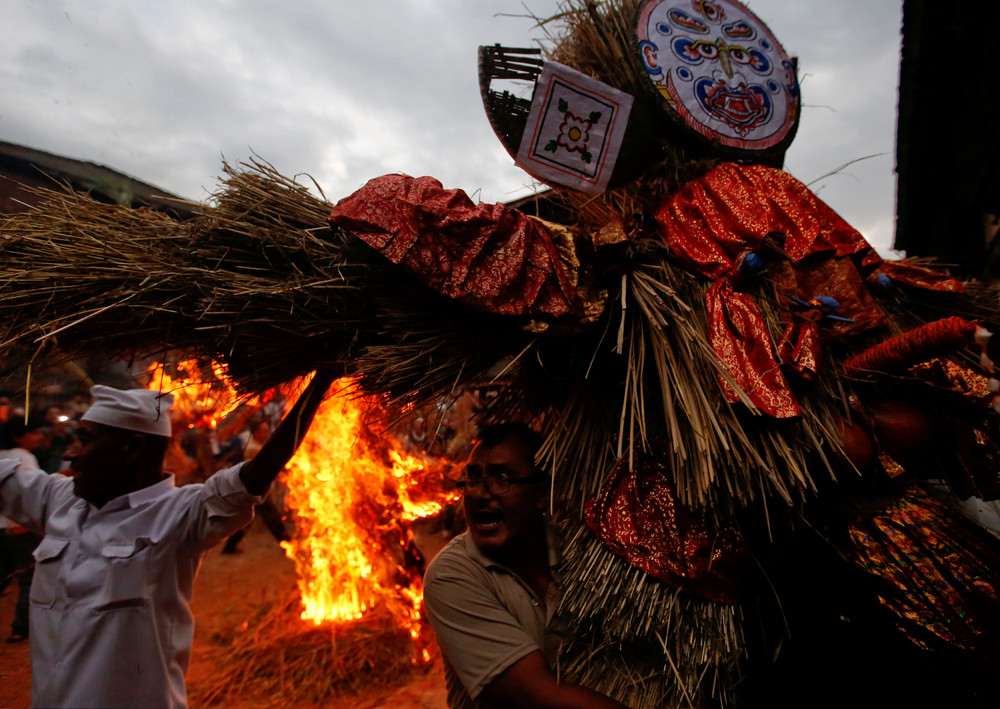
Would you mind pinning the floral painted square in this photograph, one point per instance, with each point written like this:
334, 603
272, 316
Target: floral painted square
575, 129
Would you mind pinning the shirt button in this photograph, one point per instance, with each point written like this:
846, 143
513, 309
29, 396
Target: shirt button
534, 602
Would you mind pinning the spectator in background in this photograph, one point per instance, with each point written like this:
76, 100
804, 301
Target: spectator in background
59, 435
78, 405
17, 543
5, 408
22, 438
260, 431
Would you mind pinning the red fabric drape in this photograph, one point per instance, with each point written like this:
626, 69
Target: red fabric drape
741, 341
636, 515
800, 349
911, 274
489, 256
715, 219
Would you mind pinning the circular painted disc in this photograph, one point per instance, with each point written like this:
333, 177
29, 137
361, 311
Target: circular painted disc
720, 71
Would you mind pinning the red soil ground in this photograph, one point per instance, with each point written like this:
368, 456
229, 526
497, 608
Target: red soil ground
229, 591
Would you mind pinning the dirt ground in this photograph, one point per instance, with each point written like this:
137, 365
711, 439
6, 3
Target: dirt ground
229, 591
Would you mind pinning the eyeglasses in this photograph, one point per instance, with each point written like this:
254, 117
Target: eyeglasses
494, 484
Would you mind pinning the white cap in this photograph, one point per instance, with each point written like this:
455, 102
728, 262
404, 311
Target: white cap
141, 410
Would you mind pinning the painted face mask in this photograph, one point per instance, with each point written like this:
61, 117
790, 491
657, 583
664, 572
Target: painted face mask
720, 71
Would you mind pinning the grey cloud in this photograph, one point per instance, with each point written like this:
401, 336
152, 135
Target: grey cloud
348, 91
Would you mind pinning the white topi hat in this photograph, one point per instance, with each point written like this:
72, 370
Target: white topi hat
141, 410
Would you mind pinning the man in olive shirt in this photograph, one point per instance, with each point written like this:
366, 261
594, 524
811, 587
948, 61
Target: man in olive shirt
491, 593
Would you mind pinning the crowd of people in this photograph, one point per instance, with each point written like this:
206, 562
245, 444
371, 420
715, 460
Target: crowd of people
38, 439
116, 542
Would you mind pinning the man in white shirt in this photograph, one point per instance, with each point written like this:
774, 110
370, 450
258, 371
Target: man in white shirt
110, 618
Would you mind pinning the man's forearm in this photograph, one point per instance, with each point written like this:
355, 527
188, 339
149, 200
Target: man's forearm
529, 683
567, 696
258, 474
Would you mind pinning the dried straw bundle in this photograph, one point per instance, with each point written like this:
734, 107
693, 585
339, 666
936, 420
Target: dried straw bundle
74, 265
279, 294
426, 346
281, 656
647, 374
258, 282
637, 639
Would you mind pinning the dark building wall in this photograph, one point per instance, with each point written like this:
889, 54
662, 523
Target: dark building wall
948, 137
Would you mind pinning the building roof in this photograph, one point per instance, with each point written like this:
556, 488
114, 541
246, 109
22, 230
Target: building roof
23, 166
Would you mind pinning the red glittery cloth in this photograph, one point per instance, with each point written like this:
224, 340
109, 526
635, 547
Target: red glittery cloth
743, 345
834, 277
805, 332
800, 349
488, 256
939, 573
636, 515
711, 222
911, 274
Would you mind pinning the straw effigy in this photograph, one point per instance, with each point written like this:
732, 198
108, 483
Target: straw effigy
261, 283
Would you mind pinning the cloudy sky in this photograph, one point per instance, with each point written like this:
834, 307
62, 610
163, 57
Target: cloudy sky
346, 90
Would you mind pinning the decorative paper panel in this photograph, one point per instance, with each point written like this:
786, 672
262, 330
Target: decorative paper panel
575, 129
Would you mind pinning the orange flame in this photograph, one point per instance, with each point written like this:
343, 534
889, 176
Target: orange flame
352, 494
203, 400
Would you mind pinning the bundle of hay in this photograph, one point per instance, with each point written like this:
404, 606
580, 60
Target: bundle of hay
279, 655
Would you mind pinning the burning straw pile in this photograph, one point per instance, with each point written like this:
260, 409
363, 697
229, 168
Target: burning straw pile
354, 622
280, 656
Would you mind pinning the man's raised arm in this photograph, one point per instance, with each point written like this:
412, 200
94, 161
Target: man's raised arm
258, 474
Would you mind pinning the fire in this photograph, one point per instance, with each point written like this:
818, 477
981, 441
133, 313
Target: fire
352, 495
203, 401
403, 468
353, 492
